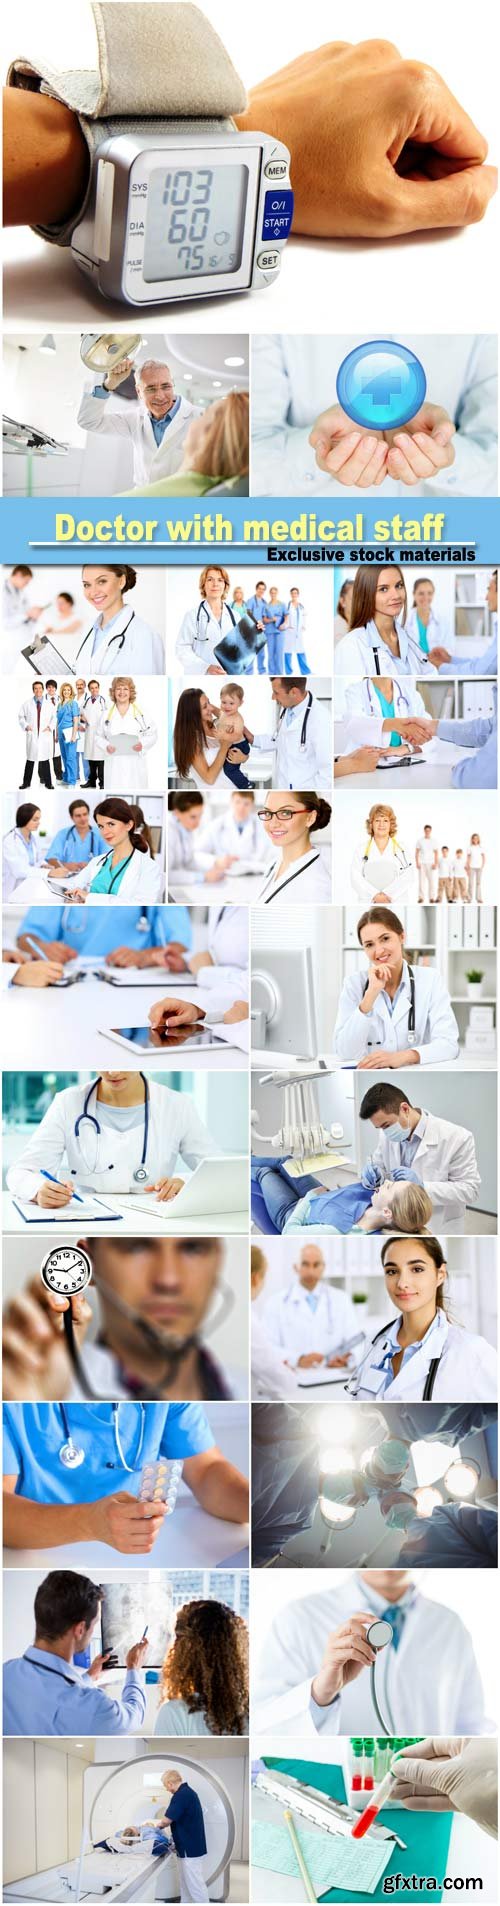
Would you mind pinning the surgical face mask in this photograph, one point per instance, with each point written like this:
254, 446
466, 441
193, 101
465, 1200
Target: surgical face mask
394, 1132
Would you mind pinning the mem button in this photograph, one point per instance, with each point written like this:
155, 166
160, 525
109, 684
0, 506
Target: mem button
278, 214
276, 169
269, 260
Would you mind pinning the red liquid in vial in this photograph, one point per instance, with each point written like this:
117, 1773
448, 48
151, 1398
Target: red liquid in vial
356, 1783
362, 1825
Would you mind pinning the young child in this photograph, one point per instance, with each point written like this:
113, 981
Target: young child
231, 698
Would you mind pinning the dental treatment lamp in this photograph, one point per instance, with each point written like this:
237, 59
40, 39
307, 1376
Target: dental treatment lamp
302, 1133
101, 351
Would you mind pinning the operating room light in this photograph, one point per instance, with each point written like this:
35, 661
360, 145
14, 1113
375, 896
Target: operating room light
427, 1500
461, 1479
335, 1420
335, 1458
337, 1514
430, 1461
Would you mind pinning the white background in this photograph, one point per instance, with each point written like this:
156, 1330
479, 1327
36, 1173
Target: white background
452, 820
151, 699
439, 274
315, 594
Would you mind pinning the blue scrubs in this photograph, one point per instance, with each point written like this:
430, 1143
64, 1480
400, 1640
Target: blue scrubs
100, 930
67, 713
256, 606
273, 618
67, 845
34, 1434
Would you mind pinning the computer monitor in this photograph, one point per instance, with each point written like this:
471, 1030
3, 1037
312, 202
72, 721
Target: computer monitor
283, 1009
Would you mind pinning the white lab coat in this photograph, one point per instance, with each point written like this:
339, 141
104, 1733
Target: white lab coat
432, 1679
115, 416
222, 836
446, 1162
307, 879
391, 872
94, 713
184, 855
439, 634
106, 1163
467, 1367
364, 714
125, 770
227, 942
436, 1031
19, 859
294, 378
355, 654
142, 880
302, 747
271, 1377
39, 743
199, 634
297, 1330
130, 645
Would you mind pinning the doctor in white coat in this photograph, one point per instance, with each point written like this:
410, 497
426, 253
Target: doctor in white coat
203, 627
37, 718
313, 1678
221, 969
378, 641
21, 850
271, 1376
381, 869
420, 1355
302, 744
310, 1320
369, 725
125, 718
99, 1136
294, 382
417, 1146
298, 871
237, 833
155, 426
93, 715
396, 1015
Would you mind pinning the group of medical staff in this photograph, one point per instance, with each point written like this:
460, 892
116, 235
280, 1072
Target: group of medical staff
80, 734
111, 854
278, 627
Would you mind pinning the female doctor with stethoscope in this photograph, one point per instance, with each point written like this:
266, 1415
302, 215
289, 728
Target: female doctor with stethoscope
118, 637
420, 1355
21, 853
127, 871
381, 712
122, 1133
381, 870
398, 1015
203, 628
297, 872
378, 642
124, 719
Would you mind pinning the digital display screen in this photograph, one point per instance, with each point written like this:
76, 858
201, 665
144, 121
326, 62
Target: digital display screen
156, 1039
195, 221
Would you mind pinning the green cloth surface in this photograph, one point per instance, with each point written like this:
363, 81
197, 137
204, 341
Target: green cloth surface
427, 1836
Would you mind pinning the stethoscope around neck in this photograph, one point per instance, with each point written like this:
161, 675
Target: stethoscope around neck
303, 731
141, 1174
412, 1036
203, 609
71, 1454
119, 638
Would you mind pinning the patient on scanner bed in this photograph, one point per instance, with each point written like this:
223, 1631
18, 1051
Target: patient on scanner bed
284, 1204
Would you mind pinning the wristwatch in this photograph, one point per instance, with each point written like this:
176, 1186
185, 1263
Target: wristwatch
179, 204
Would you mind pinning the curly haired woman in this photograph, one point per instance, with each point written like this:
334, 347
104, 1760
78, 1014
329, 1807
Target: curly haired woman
204, 1684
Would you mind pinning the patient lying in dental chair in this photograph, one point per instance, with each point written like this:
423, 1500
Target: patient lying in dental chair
281, 1204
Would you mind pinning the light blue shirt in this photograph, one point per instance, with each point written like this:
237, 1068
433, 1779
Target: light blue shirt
97, 642
44, 1694
160, 424
100, 930
393, 1345
312, 1299
481, 734
483, 665
67, 845
35, 1432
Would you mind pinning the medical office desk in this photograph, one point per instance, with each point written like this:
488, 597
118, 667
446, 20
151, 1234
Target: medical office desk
189, 1538
240, 891
57, 1021
430, 774
133, 1219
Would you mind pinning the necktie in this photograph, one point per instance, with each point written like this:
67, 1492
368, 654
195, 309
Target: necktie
38, 713
397, 1617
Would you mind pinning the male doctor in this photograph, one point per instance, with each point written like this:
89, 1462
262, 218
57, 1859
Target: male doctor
45, 1693
416, 1146
156, 426
93, 712
38, 721
18, 614
237, 834
302, 743
313, 1678
310, 1320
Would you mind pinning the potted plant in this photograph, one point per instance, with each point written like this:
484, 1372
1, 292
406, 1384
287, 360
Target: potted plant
474, 982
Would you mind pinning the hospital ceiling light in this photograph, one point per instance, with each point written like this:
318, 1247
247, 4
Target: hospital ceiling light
48, 344
335, 1420
337, 1515
426, 1500
430, 1461
461, 1480
188, 377
216, 383
233, 362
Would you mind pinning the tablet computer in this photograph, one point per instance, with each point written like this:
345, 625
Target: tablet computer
150, 1039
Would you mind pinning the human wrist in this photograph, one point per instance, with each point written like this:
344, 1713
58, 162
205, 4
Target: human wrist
46, 160
325, 1688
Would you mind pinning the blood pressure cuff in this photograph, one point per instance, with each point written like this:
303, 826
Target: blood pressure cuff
236, 652
158, 63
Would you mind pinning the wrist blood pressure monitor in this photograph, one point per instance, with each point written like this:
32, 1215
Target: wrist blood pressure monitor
179, 204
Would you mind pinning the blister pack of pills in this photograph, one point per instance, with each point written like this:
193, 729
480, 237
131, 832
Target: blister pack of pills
160, 1482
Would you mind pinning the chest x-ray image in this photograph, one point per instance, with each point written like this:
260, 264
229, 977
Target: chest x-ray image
127, 1609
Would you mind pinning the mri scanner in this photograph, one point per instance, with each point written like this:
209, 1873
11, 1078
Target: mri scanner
125, 1796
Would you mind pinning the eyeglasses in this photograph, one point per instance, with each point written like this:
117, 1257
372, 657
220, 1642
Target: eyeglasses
280, 813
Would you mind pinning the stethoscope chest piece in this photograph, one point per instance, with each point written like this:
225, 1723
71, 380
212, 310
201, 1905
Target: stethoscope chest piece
66, 1270
70, 1455
379, 1634
141, 1176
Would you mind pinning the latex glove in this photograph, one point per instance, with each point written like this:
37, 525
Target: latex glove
371, 1176
410, 1177
398, 152
458, 1774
